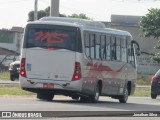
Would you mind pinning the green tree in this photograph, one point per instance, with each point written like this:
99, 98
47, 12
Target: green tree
46, 12
81, 16
41, 13
150, 26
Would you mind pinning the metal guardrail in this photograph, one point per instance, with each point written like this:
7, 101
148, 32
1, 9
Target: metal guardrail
143, 86
4, 83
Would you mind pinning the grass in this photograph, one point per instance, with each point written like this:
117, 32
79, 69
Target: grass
4, 75
143, 80
142, 92
13, 90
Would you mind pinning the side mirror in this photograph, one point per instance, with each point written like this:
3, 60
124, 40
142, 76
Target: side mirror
138, 51
135, 44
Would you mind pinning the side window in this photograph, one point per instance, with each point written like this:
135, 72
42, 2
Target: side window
123, 49
113, 48
108, 47
105, 52
98, 46
118, 48
92, 46
87, 44
103, 47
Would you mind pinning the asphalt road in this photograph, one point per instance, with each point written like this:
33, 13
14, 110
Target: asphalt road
94, 111
62, 103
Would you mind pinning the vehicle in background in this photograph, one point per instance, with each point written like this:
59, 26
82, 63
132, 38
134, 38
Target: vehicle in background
77, 58
14, 69
155, 85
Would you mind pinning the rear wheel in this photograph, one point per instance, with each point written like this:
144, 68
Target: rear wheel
85, 99
124, 97
92, 98
153, 96
75, 97
45, 96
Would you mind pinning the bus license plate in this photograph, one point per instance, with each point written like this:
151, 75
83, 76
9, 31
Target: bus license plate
48, 85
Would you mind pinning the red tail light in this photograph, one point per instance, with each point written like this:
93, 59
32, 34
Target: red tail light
22, 67
154, 78
77, 71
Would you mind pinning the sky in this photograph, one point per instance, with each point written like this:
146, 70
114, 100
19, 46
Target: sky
15, 12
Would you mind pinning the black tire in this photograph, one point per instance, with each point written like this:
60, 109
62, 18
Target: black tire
45, 96
12, 78
75, 97
84, 99
124, 97
95, 97
153, 96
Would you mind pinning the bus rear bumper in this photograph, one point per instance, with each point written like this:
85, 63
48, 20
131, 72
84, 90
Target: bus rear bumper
35, 85
56, 91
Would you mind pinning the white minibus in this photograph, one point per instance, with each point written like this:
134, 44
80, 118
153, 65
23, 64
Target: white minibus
78, 58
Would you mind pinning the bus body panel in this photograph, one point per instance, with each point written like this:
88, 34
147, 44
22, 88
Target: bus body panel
113, 76
50, 64
34, 82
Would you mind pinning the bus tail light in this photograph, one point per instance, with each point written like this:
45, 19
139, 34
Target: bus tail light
22, 67
77, 71
154, 78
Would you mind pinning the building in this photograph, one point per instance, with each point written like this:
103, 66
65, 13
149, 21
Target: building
10, 44
146, 65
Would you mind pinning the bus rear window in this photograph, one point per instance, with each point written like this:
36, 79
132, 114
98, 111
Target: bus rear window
45, 36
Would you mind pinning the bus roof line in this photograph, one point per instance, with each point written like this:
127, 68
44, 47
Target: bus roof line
86, 24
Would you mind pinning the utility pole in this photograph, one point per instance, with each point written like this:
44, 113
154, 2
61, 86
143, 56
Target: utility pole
35, 10
54, 8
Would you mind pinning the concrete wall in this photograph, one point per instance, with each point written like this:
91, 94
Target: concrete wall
147, 66
16, 45
8, 50
10, 46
